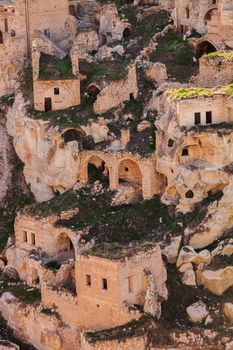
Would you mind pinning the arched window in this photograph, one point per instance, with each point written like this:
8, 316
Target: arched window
189, 194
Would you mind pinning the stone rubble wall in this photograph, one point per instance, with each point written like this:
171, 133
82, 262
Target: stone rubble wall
44, 331
117, 92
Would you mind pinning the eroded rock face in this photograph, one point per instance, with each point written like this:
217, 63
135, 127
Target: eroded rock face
228, 311
5, 164
156, 73
218, 219
50, 164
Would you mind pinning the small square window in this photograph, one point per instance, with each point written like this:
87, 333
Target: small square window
33, 238
88, 280
104, 283
56, 91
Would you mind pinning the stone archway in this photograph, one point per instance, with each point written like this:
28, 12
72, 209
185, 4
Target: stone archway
93, 91
97, 170
129, 171
73, 135
205, 47
65, 244
126, 32
209, 14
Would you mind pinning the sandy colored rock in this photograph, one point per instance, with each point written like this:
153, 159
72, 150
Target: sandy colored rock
217, 281
188, 274
171, 250
188, 255
156, 73
197, 312
228, 311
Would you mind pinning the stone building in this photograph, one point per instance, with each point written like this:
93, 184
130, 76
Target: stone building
191, 152
12, 46
78, 281
212, 18
55, 89
215, 68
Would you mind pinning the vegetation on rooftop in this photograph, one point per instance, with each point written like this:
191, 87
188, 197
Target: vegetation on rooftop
54, 68
227, 55
105, 70
189, 92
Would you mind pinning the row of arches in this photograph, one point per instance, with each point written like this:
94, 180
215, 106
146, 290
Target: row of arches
128, 171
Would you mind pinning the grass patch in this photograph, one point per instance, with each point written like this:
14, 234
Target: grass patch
132, 329
177, 55
54, 68
148, 221
105, 70
19, 289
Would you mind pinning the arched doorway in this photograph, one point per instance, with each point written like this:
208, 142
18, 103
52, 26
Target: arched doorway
129, 171
1, 37
97, 170
103, 39
205, 47
93, 91
35, 277
73, 135
65, 244
208, 15
130, 181
126, 32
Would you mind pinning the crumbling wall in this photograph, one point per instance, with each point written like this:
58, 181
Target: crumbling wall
63, 301
43, 330
215, 70
117, 92
134, 343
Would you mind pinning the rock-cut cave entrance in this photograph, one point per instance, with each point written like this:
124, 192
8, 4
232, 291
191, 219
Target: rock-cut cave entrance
97, 170
205, 47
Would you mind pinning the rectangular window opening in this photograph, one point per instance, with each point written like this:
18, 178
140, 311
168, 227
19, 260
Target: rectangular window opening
56, 91
33, 238
197, 118
208, 117
88, 280
6, 24
104, 283
130, 284
25, 237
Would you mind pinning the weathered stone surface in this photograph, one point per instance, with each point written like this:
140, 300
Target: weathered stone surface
228, 311
197, 312
188, 255
11, 272
217, 281
171, 250
188, 274
156, 73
